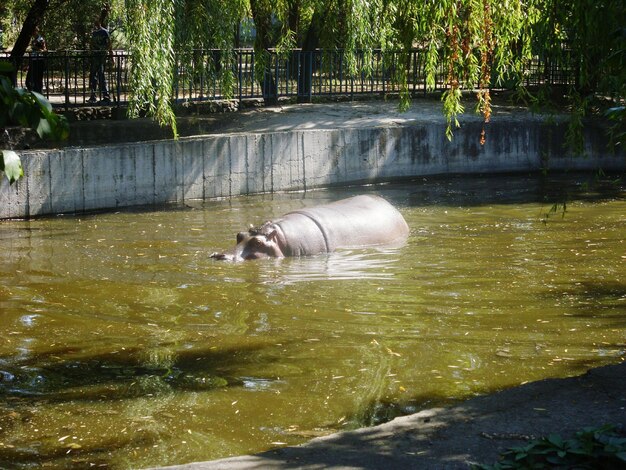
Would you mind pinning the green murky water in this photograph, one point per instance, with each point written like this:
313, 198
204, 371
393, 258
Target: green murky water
123, 345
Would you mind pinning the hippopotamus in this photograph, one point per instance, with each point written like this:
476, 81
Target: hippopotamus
358, 221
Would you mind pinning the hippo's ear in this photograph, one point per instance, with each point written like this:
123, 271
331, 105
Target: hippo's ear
272, 235
241, 236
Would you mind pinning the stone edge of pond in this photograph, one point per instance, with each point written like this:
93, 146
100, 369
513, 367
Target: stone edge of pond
455, 437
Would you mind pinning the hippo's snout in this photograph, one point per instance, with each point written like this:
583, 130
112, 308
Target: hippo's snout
223, 256
259, 243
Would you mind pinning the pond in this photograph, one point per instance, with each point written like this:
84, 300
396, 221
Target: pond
124, 345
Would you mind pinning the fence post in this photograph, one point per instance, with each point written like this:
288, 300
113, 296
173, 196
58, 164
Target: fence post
352, 80
305, 76
118, 78
252, 72
66, 65
240, 75
276, 63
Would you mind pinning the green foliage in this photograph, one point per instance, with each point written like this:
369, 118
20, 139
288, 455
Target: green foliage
24, 108
616, 81
591, 448
587, 40
150, 26
617, 116
452, 107
163, 35
466, 44
12, 14
67, 23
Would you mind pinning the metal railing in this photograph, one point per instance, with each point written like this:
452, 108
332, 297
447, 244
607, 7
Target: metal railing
299, 74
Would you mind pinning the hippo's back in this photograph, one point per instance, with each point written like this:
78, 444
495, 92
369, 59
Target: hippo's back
357, 221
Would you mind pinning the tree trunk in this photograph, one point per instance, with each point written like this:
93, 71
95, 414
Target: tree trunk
293, 23
262, 16
310, 44
33, 19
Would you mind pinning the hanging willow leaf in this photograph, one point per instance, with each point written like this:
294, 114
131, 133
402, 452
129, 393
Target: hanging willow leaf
11, 165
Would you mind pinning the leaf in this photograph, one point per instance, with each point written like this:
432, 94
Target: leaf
615, 113
30, 109
554, 460
521, 456
5, 67
44, 128
6, 87
556, 440
11, 165
43, 102
19, 114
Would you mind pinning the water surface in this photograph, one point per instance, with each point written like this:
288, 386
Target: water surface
124, 345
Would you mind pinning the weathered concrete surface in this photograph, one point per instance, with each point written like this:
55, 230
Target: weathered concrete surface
475, 431
289, 148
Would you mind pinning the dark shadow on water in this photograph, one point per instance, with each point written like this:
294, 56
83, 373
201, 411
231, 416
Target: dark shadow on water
47, 378
96, 455
596, 300
480, 190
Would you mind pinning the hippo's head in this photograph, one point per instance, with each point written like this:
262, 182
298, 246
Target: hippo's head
256, 243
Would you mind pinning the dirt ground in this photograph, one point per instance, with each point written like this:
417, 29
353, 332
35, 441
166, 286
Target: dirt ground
475, 431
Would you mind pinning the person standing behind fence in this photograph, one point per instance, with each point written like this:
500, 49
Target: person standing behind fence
100, 47
37, 63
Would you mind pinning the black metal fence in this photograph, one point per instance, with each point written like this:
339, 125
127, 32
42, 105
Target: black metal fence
299, 74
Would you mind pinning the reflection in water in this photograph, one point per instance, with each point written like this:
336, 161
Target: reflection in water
373, 264
124, 345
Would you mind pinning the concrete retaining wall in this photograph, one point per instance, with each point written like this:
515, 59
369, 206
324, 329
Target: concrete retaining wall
84, 179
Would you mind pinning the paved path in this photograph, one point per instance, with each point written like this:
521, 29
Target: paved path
454, 437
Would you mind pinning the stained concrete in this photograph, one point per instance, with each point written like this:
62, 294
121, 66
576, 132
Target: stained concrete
287, 148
